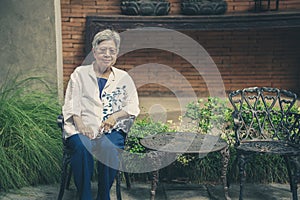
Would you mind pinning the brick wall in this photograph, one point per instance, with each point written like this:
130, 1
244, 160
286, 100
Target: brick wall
244, 58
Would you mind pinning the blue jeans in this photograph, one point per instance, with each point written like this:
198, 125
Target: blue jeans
106, 150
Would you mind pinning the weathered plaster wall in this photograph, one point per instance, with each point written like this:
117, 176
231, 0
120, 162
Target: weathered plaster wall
27, 39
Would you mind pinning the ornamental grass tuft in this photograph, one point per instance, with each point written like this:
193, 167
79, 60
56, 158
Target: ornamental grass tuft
30, 141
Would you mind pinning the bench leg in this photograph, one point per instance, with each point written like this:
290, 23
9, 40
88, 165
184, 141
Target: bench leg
118, 185
293, 167
242, 176
65, 178
243, 159
127, 179
69, 176
225, 160
62, 187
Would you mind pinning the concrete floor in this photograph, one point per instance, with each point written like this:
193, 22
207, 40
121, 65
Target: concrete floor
141, 191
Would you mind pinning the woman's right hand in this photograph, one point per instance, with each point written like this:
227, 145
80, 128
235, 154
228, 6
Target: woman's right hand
87, 131
82, 128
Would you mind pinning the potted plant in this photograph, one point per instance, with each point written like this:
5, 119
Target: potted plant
145, 7
203, 7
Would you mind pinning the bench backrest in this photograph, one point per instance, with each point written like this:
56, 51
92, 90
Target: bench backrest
262, 113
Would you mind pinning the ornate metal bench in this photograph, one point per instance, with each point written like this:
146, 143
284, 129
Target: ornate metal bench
66, 171
264, 124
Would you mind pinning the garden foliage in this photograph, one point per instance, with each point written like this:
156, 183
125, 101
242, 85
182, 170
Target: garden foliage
30, 142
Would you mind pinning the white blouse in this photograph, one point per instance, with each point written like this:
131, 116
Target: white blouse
83, 99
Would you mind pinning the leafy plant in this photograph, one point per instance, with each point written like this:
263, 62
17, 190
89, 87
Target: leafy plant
211, 113
30, 145
142, 128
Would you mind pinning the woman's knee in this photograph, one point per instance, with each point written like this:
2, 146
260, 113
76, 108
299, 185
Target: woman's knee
78, 143
116, 139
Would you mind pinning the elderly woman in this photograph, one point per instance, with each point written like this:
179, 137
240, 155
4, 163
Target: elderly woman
100, 104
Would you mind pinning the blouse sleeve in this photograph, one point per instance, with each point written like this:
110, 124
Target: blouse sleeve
131, 105
72, 104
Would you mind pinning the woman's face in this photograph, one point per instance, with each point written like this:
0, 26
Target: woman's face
105, 54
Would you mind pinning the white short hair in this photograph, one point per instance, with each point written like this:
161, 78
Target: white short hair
107, 34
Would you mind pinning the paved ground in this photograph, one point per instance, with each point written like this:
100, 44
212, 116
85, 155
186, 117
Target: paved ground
140, 191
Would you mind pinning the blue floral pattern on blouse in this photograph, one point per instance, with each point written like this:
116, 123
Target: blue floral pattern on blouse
113, 102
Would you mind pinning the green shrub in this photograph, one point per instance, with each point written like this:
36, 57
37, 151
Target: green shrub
30, 142
211, 113
142, 128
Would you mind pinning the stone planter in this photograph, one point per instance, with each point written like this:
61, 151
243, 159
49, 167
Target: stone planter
145, 7
203, 7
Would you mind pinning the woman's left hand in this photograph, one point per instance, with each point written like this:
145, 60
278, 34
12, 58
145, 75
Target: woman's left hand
108, 124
